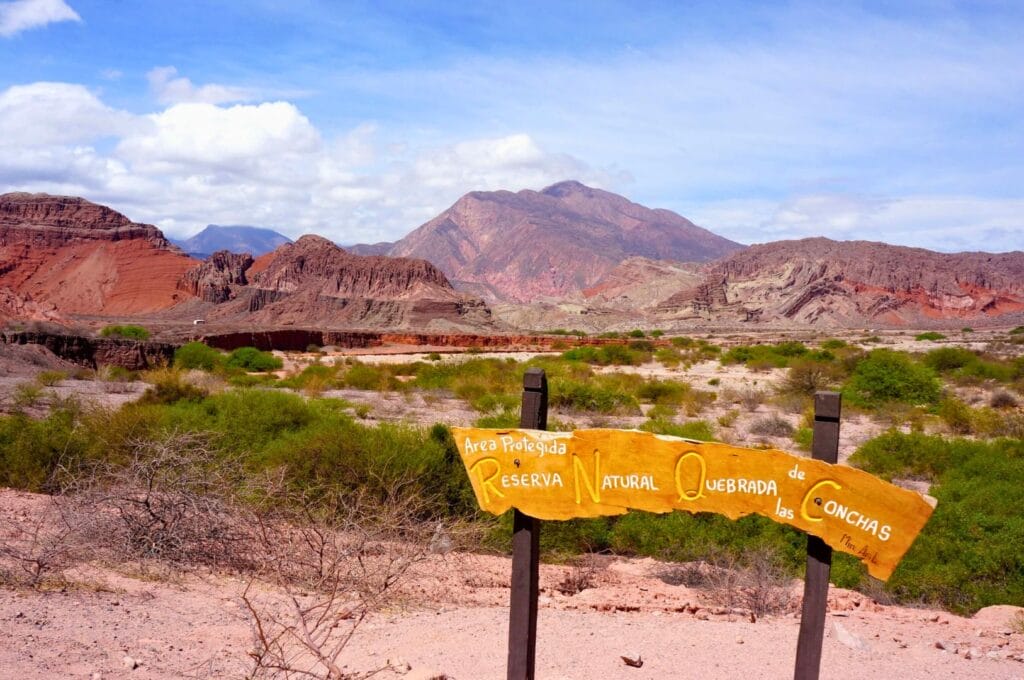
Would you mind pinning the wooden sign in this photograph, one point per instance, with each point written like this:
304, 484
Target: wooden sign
590, 473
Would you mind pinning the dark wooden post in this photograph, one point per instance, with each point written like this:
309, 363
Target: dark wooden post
522, 619
824, 446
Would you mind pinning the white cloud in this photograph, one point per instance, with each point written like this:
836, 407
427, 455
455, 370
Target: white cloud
495, 163
174, 90
40, 114
208, 137
943, 223
21, 15
191, 164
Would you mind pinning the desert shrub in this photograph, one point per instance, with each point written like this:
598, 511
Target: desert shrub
128, 331
683, 341
664, 392
26, 394
198, 356
949, 358
780, 355
362, 376
887, 376
771, 426
1002, 399
916, 455
170, 385
968, 554
807, 376
750, 398
834, 343
252, 359
728, 419
317, 377
929, 336
957, 415
434, 356
636, 333
50, 378
657, 333
31, 449
669, 357
803, 437
610, 355
692, 429
685, 537
573, 395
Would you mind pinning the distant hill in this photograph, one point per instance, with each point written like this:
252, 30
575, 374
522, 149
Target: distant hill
313, 282
851, 283
551, 243
66, 255
237, 239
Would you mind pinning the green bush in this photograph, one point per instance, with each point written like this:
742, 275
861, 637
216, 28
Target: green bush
779, 355
31, 449
168, 386
131, 332
930, 335
611, 355
968, 555
252, 359
887, 376
949, 358
692, 429
198, 356
574, 395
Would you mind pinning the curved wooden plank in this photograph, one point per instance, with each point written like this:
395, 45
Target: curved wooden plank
591, 473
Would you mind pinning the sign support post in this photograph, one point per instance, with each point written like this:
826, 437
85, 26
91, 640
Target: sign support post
522, 624
825, 447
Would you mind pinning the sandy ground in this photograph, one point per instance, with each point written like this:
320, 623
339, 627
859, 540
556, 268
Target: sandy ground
451, 620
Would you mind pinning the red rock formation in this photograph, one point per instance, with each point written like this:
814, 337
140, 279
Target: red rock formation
556, 242
212, 280
313, 281
77, 257
818, 280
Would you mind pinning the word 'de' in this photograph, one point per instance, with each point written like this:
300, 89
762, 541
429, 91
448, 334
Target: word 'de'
591, 473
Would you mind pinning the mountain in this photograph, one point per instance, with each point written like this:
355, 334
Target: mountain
315, 283
551, 243
66, 255
851, 283
237, 239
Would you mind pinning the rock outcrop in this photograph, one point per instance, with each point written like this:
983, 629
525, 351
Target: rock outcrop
212, 280
91, 352
314, 282
557, 242
71, 256
850, 283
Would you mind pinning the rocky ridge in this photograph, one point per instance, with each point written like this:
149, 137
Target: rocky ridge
67, 255
849, 283
313, 281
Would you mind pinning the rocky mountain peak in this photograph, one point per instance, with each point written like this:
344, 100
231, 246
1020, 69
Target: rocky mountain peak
552, 243
567, 187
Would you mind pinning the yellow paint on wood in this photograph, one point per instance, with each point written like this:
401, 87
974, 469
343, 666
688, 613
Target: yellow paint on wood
591, 473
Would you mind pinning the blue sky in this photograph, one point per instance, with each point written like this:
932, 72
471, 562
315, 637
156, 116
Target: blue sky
360, 121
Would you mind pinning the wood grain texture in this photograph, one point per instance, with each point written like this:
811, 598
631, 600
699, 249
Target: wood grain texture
591, 473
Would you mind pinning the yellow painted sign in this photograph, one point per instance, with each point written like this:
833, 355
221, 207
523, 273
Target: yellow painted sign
590, 473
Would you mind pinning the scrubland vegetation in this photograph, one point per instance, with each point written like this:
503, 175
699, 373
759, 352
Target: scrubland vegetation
948, 417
